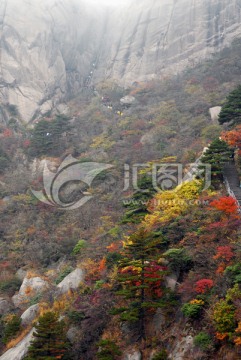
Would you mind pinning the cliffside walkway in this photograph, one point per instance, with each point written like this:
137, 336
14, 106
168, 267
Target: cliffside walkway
232, 182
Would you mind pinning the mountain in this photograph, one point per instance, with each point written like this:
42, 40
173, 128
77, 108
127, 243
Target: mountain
48, 48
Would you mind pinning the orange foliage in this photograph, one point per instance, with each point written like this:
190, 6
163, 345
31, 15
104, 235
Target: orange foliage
221, 268
233, 137
221, 336
224, 252
31, 230
227, 204
92, 270
28, 291
112, 247
102, 266
237, 340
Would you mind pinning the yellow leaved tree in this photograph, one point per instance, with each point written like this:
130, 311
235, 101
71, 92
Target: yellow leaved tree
167, 205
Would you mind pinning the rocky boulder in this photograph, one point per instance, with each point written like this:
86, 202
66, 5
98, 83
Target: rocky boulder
73, 334
30, 314
71, 281
214, 113
21, 273
29, 288
171, 282
127, 100
133, 355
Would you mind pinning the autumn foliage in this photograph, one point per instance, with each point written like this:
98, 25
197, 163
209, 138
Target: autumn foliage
233, 137
224, 253
203, 285
227, 204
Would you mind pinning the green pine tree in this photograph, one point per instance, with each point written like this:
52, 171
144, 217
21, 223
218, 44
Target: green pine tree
137, 204
49, 339
140, 278
217, 154
46, 136
231, 110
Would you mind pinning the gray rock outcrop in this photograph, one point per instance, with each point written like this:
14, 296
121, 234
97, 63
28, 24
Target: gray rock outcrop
21, 273
133, 355
20, 350
29, 288
73, 334
45, 52
71, 281
29, 315
214, 113
171, 282
182, 347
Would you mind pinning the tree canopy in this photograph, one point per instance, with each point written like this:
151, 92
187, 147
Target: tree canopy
231, 110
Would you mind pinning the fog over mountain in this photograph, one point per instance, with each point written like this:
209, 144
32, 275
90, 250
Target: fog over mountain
48, 48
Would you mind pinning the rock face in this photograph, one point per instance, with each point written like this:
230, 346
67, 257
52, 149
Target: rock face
135, 355
157, 37
29, 315
73, 334
214, 113
19, 351
182, 348
29, 288
51, 49
45, 53
171, 282
71, 281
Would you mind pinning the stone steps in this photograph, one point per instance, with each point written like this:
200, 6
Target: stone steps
231, 174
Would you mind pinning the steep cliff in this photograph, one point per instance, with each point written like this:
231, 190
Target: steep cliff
155, 37
48, 48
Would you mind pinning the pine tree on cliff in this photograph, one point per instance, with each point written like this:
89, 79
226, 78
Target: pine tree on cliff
140, 277
231, 110
217, 154
49, 339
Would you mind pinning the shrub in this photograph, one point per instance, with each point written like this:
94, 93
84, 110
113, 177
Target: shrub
203, 285
10, 285
179, 259
4, 161
112, 259
63, 274
75, 316
203, 341
12, 328
192, 310
234, 272
81, 244
162, 355
99, 284
35, 299
108, 350
224, 317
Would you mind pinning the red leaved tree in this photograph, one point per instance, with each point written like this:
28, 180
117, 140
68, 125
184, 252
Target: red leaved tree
227, 204
203, 285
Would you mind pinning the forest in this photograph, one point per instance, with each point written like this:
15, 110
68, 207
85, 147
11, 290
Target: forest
158, 272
